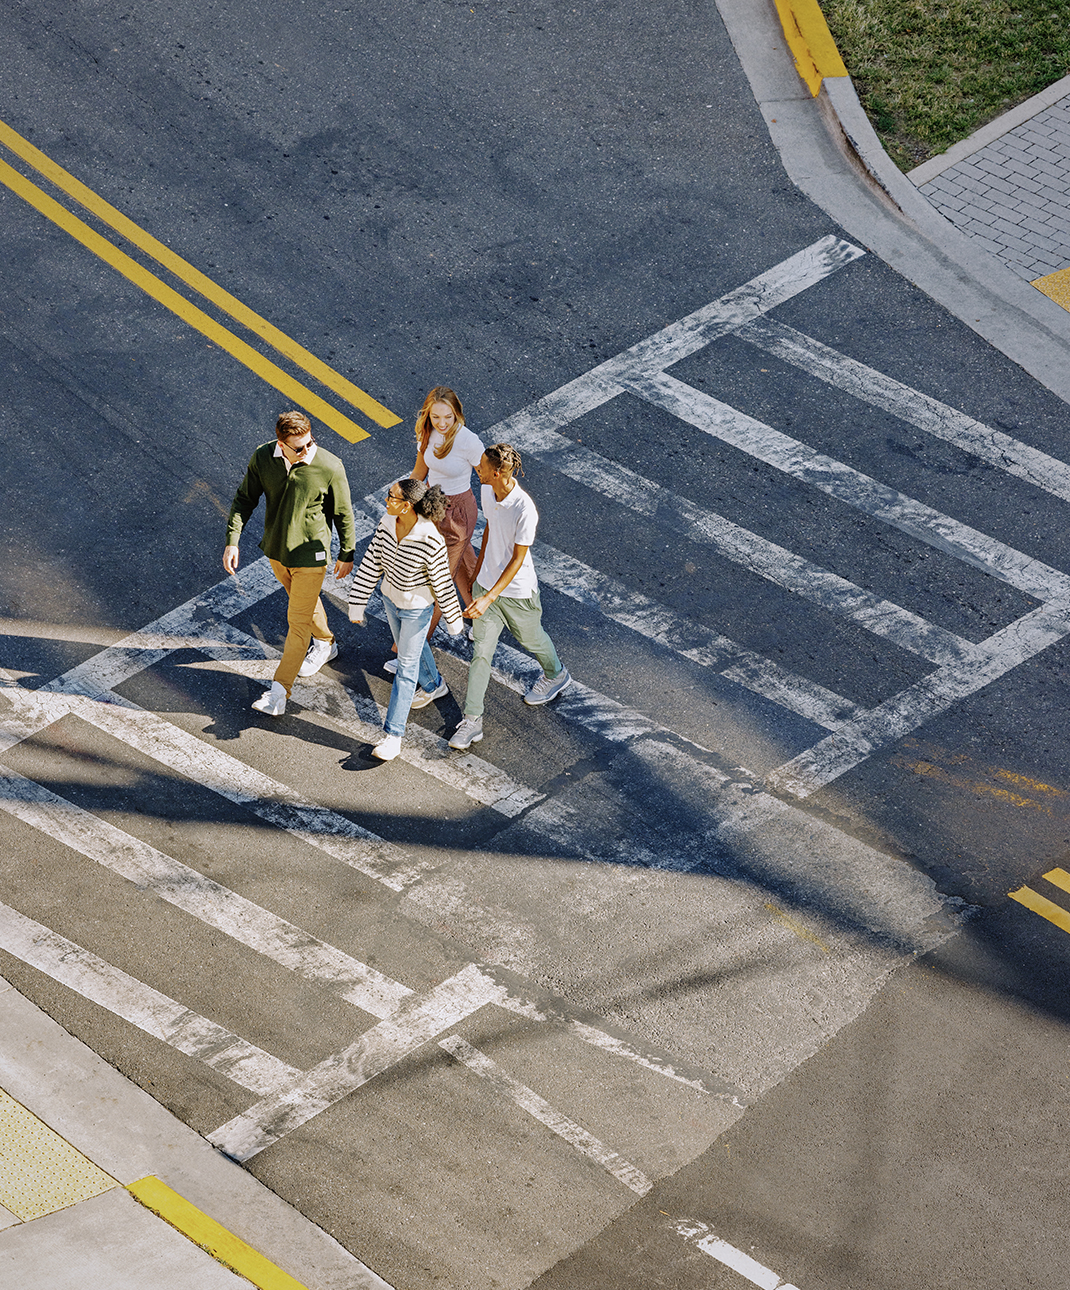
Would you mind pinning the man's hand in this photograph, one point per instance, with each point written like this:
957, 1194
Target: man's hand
230, 559
478, 607
343, 569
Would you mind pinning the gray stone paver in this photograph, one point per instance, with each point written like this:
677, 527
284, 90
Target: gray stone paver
1013, 194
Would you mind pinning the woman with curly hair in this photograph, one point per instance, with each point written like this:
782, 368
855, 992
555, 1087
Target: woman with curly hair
408, 552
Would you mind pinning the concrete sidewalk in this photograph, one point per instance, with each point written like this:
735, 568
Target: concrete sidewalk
79, 1142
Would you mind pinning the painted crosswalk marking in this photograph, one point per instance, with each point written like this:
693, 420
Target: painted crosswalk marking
909, 405
898, 716
142, 1006
528, 1100
749, 1268
420, 1018
855, 734
361, 716
843, 482
848, 876
692, 640
962, 666
204, 899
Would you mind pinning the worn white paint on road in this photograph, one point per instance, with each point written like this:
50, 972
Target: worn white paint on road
917, 409
202, 898
420, 1018
506, 1086
856, 740
360, 716
756, 1273
141, 1005
843, 482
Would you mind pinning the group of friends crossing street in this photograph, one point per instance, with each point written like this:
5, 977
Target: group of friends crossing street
421, 553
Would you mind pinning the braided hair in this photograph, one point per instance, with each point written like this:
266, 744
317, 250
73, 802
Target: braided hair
504, 457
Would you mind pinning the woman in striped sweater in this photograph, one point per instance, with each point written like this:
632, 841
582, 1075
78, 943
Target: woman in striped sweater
409, 554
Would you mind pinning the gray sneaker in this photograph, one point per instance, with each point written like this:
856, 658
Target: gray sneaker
546, 688
469, 732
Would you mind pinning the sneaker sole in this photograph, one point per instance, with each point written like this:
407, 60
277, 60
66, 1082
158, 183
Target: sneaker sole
461, 747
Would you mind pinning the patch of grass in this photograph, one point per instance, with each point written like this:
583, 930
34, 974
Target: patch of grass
930, 72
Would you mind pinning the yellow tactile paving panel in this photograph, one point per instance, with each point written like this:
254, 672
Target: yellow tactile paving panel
40, 1172
1056, 286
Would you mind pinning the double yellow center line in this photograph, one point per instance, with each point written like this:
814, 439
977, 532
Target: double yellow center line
159, 290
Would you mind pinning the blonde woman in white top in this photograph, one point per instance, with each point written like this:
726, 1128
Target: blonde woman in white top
446, 454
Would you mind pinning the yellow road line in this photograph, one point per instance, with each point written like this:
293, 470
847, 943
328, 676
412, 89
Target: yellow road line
930, 771
194, 278
1059, 878
153, 286
211, 1236
1041, 905
1025, 782
797, 928
810, 41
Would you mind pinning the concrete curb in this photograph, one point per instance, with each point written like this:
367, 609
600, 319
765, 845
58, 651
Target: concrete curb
127, 1134
831, 152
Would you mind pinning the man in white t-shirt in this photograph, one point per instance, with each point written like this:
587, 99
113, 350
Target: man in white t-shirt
506, 591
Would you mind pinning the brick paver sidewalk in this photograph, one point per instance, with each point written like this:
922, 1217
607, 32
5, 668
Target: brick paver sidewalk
1008, 186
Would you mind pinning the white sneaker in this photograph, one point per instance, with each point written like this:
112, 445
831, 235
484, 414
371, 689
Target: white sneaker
391, 665
319, 652
469, 732
273, 701
387, 749
423, 697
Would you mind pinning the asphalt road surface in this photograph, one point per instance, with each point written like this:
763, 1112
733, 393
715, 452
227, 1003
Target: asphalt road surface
707, 974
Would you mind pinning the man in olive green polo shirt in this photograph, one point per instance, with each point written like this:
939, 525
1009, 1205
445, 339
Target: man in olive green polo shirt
305, 491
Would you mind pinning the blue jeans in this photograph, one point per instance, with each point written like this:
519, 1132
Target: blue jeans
415, 662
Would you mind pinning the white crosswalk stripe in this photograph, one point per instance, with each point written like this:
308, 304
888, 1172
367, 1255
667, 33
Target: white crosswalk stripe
541, 1110
691, 640
142, 1006
849, 485
917, 409
208, 901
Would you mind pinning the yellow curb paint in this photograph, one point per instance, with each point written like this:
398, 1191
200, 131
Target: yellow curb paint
1059, 878
194, 278
40, 1172
1041, 905
1056, 286
211, 1236
153, 286
810, 41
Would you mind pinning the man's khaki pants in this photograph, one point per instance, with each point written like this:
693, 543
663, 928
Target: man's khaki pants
305, 618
